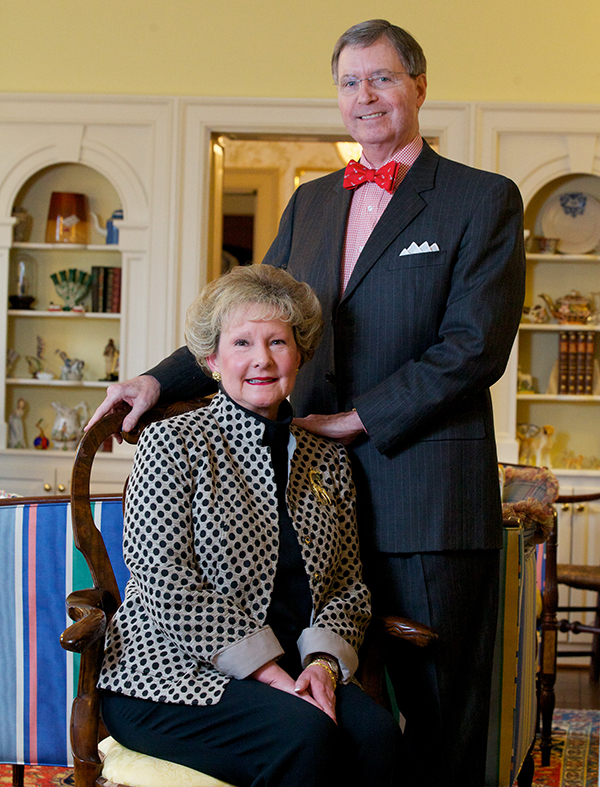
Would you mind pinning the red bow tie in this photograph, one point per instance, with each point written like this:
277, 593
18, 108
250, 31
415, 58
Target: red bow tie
356, 174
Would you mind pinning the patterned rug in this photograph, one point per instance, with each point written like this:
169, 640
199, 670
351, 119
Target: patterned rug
38, 776
574, 757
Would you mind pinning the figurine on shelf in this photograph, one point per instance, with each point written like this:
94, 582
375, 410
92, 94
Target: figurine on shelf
36, 365
68, 425
22, 225
22, 282
71, 285
524, 382
72, 368
537, 314
12, 358
41, 442
111, 362
594, 318
575, 462
16, 428
544, 446
528, 437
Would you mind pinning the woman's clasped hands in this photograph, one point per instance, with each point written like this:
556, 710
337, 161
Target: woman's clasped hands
314, 684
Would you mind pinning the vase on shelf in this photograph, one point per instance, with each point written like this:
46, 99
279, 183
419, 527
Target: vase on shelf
22, 225
67, 218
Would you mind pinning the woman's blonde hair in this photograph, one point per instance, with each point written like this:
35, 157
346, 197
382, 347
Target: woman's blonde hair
275, 293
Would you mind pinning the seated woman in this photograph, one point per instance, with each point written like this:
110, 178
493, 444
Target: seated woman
234, 650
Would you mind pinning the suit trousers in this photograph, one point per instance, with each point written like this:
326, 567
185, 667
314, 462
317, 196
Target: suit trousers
259, 736
443, 691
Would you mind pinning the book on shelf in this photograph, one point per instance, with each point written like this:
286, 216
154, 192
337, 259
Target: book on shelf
106, 289
563, 361
576, 349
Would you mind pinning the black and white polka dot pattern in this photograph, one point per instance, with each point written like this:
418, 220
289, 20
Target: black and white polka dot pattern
201, 541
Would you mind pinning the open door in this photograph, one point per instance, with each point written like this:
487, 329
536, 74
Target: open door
215, 219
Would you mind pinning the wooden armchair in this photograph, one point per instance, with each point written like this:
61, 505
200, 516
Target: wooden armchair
581, 577
92, 610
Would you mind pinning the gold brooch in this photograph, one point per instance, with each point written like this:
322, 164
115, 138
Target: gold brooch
316, 483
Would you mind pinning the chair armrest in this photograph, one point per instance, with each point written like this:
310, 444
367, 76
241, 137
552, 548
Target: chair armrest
88, 608
403, 628
371, 672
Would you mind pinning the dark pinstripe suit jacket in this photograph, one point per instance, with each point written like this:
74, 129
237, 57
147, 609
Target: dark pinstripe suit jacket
413, 345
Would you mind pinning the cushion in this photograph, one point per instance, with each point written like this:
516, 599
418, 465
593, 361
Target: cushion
528, 493
123, 766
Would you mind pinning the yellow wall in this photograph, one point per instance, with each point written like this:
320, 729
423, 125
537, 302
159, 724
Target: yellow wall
478, 50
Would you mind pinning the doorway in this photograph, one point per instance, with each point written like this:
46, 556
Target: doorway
253, 178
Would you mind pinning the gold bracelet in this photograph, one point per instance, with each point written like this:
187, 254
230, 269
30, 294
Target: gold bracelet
327, 667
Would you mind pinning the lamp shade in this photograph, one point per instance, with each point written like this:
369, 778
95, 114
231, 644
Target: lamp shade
67, 218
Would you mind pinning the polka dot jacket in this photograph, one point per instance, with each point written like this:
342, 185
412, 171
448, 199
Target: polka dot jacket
201, 543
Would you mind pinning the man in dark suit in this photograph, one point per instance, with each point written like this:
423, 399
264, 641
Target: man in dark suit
419, 265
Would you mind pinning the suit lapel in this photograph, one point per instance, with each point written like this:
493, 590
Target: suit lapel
336, 208
404, 206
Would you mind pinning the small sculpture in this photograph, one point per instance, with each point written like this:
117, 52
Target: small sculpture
68, 425
544, 446
41, 442
111, 362
72, 368
16, 429
524, 382
36, 365
22, 225
12, 357
71, 285
22, 282
535, 443
537, 314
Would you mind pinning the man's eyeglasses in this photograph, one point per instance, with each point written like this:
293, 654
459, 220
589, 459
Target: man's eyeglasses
382, 81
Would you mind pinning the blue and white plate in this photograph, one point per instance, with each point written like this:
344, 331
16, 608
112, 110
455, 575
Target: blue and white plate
573, 218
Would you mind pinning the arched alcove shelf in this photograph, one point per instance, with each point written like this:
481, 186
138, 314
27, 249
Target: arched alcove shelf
34, 196
71, 152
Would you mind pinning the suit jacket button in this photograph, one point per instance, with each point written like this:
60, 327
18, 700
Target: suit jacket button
330, 377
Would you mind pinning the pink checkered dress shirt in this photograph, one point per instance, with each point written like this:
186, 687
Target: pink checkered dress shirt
368, 203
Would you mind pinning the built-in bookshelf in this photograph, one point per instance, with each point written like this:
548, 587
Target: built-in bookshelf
558, 363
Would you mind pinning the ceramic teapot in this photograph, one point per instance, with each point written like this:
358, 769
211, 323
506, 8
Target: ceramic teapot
68, 425
572, 308
111, 233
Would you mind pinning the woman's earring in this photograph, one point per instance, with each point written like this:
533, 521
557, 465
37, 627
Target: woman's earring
216, 377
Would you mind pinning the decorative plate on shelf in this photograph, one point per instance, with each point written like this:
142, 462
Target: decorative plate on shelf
573, 218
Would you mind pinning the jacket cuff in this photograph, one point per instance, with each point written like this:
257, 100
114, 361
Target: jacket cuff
243, 657
320, 640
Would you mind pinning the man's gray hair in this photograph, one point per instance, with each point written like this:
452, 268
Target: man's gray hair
368, 33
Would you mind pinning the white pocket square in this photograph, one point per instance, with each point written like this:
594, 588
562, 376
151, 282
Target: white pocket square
422, 249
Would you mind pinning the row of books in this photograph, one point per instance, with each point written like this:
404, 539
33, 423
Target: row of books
576, 362
106, 289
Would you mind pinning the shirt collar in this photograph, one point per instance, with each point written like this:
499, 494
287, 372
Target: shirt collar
405, 157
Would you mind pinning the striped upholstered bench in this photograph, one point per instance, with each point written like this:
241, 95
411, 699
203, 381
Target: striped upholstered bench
41, 566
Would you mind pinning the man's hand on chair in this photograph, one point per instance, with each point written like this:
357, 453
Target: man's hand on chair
141, 393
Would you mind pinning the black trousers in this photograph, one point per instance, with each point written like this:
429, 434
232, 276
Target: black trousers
258, 736
443, 690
